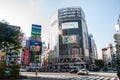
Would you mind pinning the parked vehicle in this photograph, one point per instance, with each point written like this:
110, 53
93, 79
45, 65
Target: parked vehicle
83, 71
73, 70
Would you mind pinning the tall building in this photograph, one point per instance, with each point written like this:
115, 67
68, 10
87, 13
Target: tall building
31, 56
35, 47
108, 54
93, 51
69, 38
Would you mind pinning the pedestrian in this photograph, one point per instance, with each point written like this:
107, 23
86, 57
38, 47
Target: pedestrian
36, 72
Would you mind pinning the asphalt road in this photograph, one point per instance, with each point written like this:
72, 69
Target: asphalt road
68, 76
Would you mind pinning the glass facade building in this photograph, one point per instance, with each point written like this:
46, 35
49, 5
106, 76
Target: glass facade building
74, 38
69, 38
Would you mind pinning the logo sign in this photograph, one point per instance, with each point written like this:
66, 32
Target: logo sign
36, 30
70, 25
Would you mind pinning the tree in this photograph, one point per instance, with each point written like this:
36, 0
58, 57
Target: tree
99, 63
15, 69
118, 62
9, 37
9, 40
2, 69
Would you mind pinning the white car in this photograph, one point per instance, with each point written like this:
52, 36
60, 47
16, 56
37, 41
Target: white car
23, 69
83, 71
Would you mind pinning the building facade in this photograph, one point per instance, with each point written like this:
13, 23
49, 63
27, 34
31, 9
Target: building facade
69, 38
109, 56
93, 51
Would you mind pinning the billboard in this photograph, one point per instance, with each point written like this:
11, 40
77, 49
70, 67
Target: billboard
35, 46
26, 60
70, 39
36, 30
70, 25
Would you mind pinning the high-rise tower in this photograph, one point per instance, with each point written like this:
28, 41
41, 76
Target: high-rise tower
69, 38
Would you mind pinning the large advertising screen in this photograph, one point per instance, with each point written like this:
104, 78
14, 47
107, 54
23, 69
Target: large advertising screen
70, 39
35, 46
69, 25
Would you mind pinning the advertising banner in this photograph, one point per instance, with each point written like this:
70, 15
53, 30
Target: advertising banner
69, 39
69, 25
36, 30
35, 46
26, 62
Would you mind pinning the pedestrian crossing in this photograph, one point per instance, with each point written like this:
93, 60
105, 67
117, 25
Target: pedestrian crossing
73, 78
94, 78
65, 76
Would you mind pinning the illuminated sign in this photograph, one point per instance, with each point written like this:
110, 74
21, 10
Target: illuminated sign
35, 46
70, 25
70, 39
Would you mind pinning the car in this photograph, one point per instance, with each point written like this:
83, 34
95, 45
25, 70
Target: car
23, 69
73, 70
83, 71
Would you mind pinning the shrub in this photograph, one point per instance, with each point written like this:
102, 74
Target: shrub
2, 69
15, 69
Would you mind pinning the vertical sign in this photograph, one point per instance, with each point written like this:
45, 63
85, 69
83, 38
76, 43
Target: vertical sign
36, 30
26, 57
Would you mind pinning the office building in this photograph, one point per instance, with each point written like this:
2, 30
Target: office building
69, 39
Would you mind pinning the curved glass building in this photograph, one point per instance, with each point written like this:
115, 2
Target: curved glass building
69, 38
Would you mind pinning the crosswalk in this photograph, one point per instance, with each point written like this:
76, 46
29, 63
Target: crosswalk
65, 76
94, 78
73, 78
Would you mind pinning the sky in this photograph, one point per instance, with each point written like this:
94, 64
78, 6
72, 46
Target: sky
101, 16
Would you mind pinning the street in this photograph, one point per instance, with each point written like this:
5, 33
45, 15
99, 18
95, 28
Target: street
68, 76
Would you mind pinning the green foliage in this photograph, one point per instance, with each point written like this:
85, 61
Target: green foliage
15, 69
99, 63
2, 69
9, 36
118, 62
